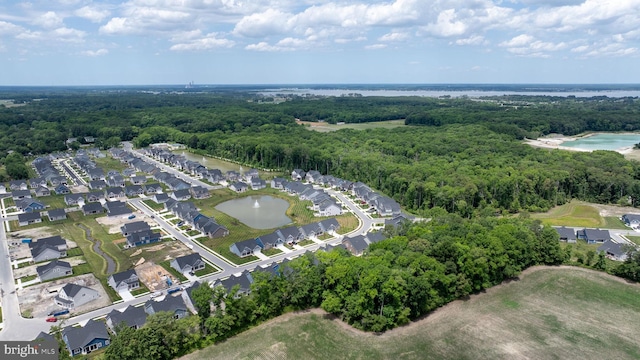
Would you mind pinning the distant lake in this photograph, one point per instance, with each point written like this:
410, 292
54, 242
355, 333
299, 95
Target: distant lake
258, 212
604, 141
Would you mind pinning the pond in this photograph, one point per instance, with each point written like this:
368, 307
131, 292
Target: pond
211, 163
604, 142
258, 212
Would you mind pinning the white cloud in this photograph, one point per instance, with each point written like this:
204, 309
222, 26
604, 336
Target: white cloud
93, 14
394, 36
208, 42
519, 40
7, 28
143, 20
375, 47
263, 24
261, 46
49, 20
94, 53
472, 40
447, 25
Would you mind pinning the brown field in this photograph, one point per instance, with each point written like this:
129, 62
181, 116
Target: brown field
153, 276
549, 313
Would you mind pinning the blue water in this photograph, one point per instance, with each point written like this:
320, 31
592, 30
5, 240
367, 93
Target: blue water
604, 141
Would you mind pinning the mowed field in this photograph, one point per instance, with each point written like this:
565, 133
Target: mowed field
549, 313
325, 127
580, 214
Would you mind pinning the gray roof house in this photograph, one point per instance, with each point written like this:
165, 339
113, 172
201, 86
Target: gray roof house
114, 193
133, 190
134, 227
632, 220
73, 199
277, 183
329, 208
125, 280
29, 205
42, 191
49, 248
53, 270
95, 196
243, 283
72, 296
311, 230
199, 192
92, 208
188, 263
566, 234
117, 208
97, 185
245, 248
82, 341
239, 187
290, 235
269, 241
298, 174
593, 236
18, 185
172, 304
181, 195
152, 188
29, 218
62, 189
56, 214
329, 225
138, 180
20, 194
160, 198
133, 316
356, 244
614, 251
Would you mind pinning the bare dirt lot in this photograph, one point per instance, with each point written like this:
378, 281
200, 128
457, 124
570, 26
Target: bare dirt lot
114, 223
154, 276
39, 299
31, 270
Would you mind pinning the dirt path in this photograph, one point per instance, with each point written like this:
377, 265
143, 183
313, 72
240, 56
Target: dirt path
111, 264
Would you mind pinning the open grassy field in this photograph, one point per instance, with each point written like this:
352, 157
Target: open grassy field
550, 313
579, 214
325, 127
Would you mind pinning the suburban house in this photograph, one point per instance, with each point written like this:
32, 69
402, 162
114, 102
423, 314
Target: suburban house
298, 174
92, 208
138, 180
312, 230
181, 195
133, 316
172, 304
18, 185
160, 198
49, 248
566, 234
45, 337
115, 181
239, 187
249, 174
245, 248
356, 244
133, 190
29, 218
290, 235
82, 341
73, 199
42, 191
329, 208
134, 227
53, 270
142, 238
198, 192
125, 280
97, 185
95, 196
207, 226
242, 283
312, 176
72, 296
329, 225
29, 205
614, 251
277, 183
153, 188
20, 194
58, 180
269, 241
37, 182
257, 183
56, 214
231, 176
593, 236
632, 220
62, 189
114, 193
117, 208
188, 263
399, 220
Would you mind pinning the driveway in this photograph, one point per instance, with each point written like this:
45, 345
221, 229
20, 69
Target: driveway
126, 295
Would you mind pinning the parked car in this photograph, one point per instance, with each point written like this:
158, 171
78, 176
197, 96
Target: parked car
52, 319
156, 294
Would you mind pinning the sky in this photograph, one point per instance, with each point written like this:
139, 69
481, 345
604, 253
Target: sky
140, 42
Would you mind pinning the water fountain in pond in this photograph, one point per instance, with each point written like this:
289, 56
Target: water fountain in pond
256, 204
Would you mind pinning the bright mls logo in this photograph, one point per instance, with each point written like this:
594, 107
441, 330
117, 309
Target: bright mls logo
43, 350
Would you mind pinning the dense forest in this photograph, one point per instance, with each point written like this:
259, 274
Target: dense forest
463, 157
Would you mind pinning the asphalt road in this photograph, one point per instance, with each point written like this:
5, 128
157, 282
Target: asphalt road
77, 179
18, 328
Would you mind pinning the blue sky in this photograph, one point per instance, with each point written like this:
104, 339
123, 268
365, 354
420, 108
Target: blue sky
107, 42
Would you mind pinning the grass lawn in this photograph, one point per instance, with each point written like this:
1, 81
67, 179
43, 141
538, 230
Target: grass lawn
272, 251
208, 269
578, 214
550, 313
53, 201
306, 242
152, 204
28, 278
635, 239
76, 251
141, 290
109, 163
325, 127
